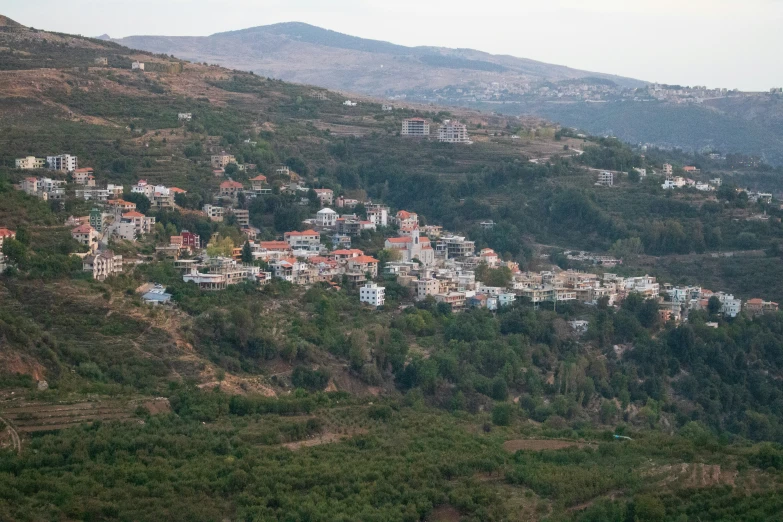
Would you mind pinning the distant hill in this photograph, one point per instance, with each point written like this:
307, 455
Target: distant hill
304, 53
7, 22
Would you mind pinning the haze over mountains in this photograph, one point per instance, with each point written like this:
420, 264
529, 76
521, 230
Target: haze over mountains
304, 53
298, 52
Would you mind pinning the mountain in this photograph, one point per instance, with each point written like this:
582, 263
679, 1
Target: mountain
304, 53
7, 22
297, 52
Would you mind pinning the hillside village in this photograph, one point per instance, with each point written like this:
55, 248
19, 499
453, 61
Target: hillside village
427, 260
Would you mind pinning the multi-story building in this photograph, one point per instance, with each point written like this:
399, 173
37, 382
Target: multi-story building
453, 132
30, 163
378, 215
62, 163
425, 287
325, 196
454, 247
309, 240
241, 216
606, 178
84, 177
87, 236
92, 194
326, 217
363, 265
455, 299
372, 294
415, 127
230, 189
102, 265
213, 212
219, 161
668, 170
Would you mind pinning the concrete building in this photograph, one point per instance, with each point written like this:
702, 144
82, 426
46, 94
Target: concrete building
309, 240
230, 189
455, 247
378, 215
326, 217
62, 163
87, 236
668, 170
30, 163
137, 66
325, 196
102, 265
416, 127
213, 212
185, 116
453, 132
425, 287
372, 294
219, 161
605, 178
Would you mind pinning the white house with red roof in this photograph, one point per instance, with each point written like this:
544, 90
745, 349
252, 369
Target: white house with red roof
413, 247
405, 218
489, 257
4, 234
230, 188
87, 236
363, 265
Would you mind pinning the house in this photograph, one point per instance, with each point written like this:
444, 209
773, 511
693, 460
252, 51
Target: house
86, 235
415, 127
758, 306
454, 299
372, 294
30, 163
141, 223
343, 202
326, 217
283, 171
309, 240
668, 170
489, 257
386, 108
349, 103
101, 60
346, 254
674, 182
691, 169
487, 225
84, 177
605, 178
120, 206
187, 240
363, 265
642, 172
230, 189
92, 193
213, 212
454, 247
325, 196
62, 163
413, 247
259, 184
453, 132
272, 250
185, 116
220, 161
137, 66
102, 265
156, 296
404, 218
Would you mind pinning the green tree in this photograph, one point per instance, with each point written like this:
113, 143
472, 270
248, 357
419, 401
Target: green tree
503, 414
247, 253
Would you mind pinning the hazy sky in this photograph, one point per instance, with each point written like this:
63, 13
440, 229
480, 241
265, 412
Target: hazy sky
719, 43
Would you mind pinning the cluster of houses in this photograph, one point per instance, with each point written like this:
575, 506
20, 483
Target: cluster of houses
449, 131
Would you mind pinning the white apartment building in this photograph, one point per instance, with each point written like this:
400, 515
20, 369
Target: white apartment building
326, 217
372, 294
416, 127
309, 240
378, 215
30, 162
102, 265
453, 132
731, 306
62, 163
606, 178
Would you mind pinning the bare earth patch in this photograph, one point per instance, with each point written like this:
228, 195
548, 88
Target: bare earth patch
541, 444
325, 438
444, 514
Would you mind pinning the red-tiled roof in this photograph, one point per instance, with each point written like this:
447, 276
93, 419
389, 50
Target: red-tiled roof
363, 259
347, 252
399, 240
4, 232
86, 170
177, 190
132, 214
274, 245
260, 177
82, 229
403, 214
230, 184
305, 233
